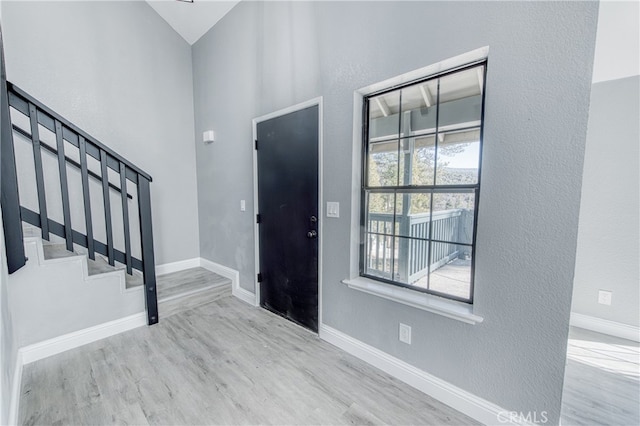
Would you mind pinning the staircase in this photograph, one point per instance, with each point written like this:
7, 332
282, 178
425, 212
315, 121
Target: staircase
56, 248
77, 227
177, 291
55, 143
74, 293
60, 179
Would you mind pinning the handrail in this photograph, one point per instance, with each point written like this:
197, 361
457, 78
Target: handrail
10, 200
28, 98
414, 254
67, 134
71, 161
418, 217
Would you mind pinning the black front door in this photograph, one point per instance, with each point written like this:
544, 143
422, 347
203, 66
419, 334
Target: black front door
288, 207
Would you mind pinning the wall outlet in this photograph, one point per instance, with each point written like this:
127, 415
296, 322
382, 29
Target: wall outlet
604, 297
405, 333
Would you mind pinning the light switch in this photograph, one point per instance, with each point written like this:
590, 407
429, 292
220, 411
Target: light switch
333, 209
243, 205
208, 136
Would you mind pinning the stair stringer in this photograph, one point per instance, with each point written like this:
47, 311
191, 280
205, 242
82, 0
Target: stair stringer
55, 297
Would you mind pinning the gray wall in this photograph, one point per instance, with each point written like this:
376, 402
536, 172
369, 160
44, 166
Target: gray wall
609, 232
266, 56
118, 71
8, 338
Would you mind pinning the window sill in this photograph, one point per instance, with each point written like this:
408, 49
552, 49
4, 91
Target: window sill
427, 302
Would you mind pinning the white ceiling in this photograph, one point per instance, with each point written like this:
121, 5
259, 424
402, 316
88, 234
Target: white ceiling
192, 20
617, 52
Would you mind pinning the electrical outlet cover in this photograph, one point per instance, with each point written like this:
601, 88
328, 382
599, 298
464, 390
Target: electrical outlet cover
604, 297
405, 333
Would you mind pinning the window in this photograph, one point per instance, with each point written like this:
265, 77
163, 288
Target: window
421, 182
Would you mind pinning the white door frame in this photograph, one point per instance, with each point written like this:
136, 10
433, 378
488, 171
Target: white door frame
316, 101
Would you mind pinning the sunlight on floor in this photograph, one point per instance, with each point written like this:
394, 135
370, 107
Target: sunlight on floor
602, 380
615, 358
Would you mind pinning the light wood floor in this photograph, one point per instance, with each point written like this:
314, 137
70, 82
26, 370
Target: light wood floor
221, 363
602, 380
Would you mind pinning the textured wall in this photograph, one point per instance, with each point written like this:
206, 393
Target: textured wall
118, 71
8, 337
609, 233
8, 340
265, 56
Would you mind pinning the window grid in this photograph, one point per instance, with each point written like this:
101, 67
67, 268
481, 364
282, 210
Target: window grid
404, 187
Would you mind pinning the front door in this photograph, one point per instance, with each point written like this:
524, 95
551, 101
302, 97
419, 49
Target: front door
287, 157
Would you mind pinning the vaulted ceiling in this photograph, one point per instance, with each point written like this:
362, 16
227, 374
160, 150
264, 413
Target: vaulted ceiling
192, 19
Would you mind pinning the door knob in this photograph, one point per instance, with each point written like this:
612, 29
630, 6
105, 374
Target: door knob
312, 234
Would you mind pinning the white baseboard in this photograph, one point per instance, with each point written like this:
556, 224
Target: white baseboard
459, 399
14, 403
234, 276
56, 345
168, 268
41, 350
244, 295
79, 338
603, 326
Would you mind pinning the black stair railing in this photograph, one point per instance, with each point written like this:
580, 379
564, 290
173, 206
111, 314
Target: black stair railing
87, 147
12, 225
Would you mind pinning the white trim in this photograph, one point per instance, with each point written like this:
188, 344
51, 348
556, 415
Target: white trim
427, 302
256, 234
234, 276
245, 295
63, 343
14, 402
316, 101
459, 399
424, 72
356, 177
167, 268
321, 205
603, 326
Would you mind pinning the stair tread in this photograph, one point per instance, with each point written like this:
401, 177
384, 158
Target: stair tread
170, 286
186, 302
30, 231
187, 282
101, 266
56, 251
94, 267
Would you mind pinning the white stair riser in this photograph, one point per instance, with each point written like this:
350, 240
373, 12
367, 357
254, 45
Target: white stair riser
54, 297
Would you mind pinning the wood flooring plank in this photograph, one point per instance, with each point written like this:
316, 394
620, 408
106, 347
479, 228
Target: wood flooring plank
602, 380
170, 285
223, 362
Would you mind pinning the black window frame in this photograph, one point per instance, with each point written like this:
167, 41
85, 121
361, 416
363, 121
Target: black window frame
429, 189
